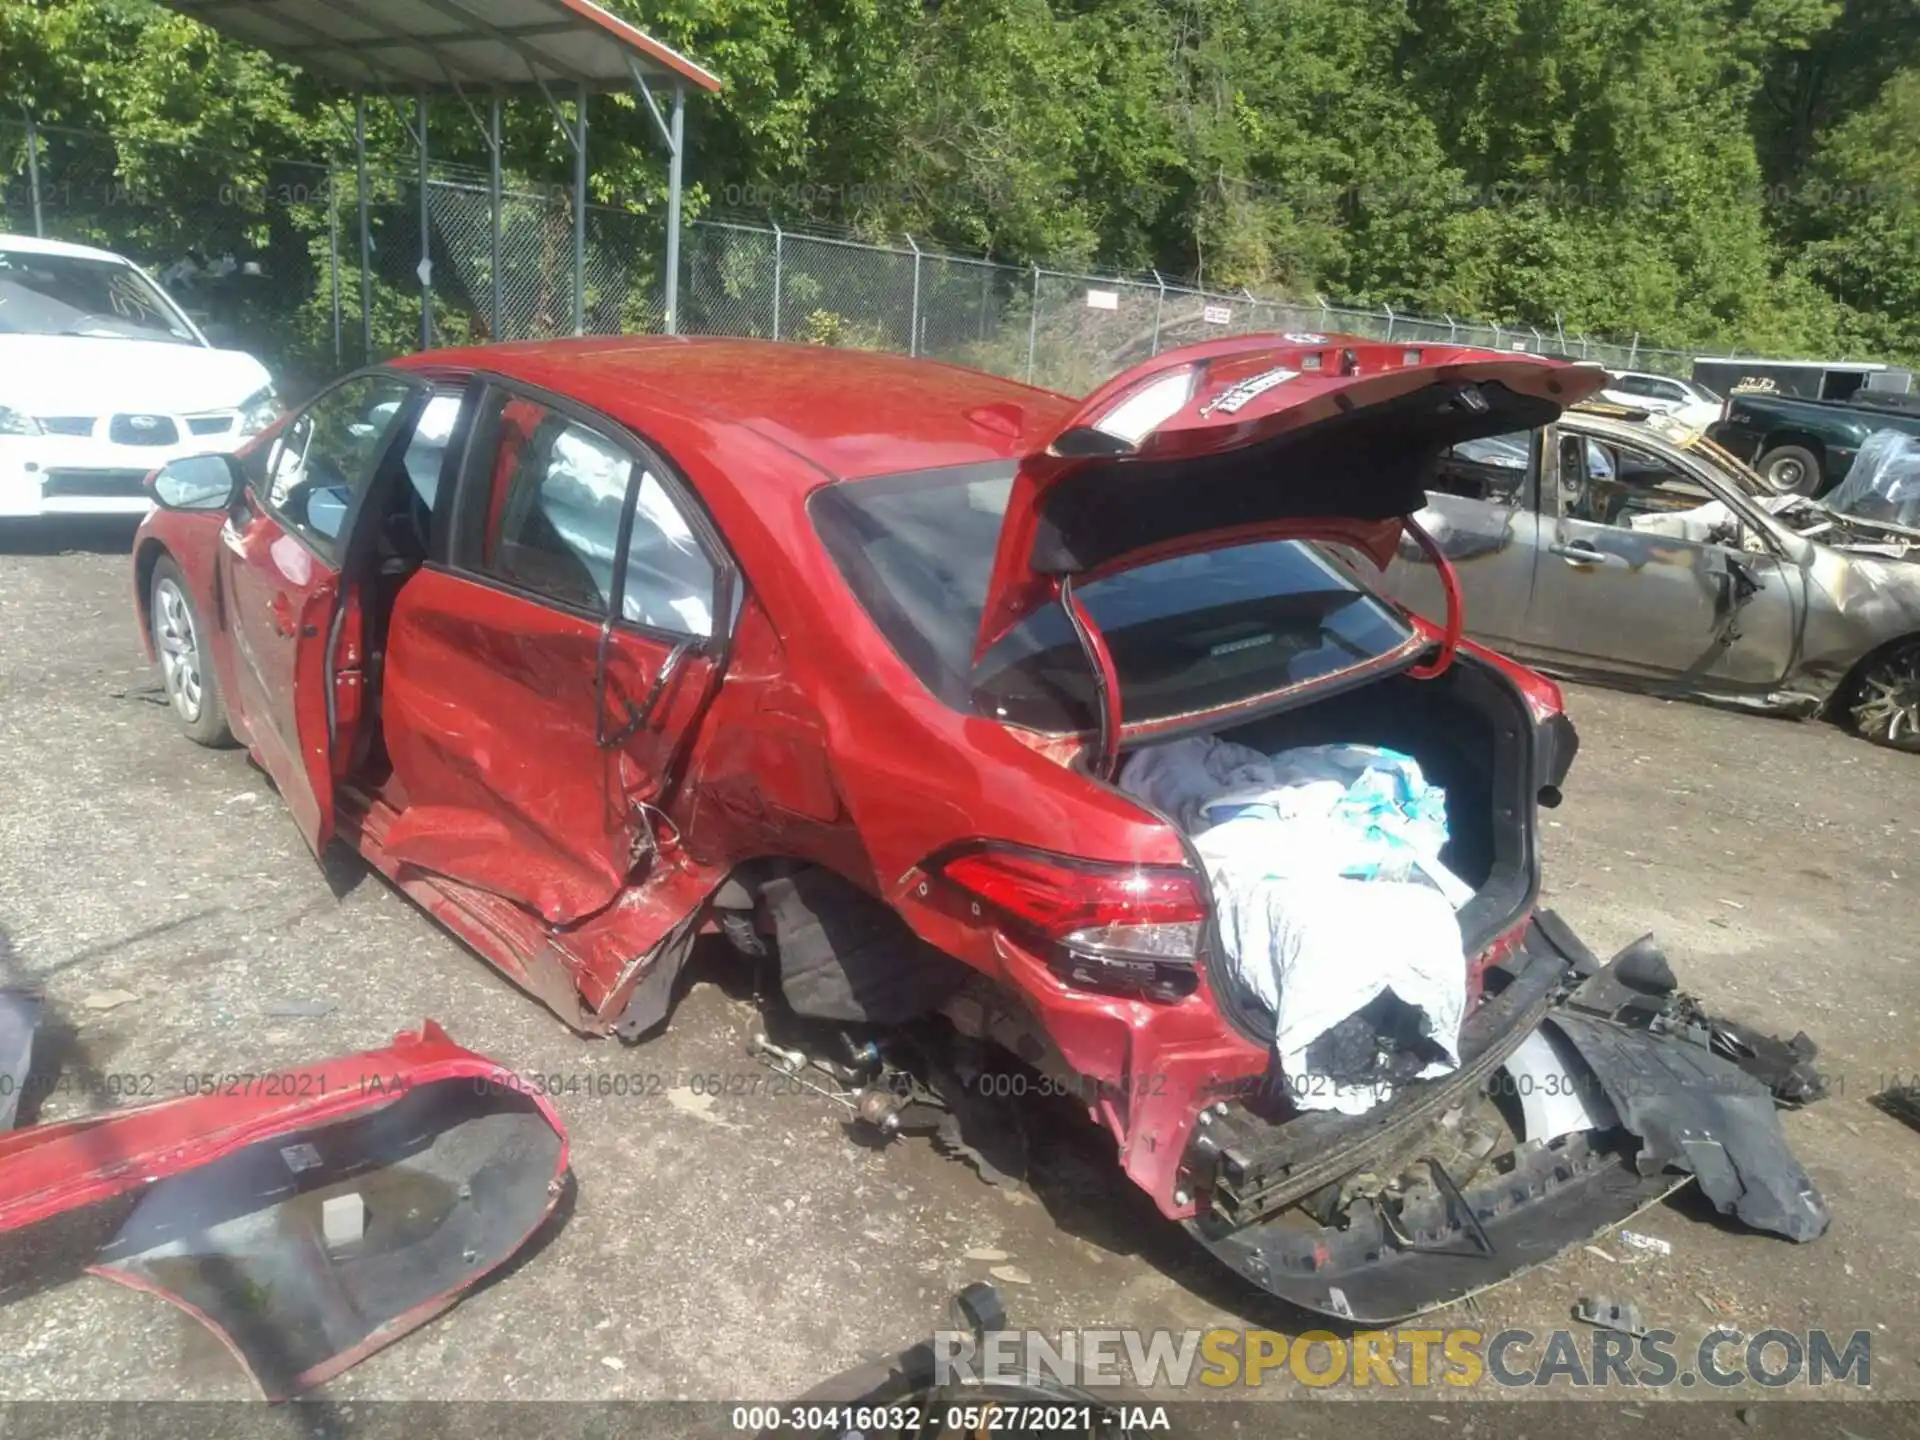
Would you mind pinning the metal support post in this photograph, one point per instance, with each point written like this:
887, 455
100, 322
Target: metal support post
673, 131
366, 231
1033, 323
426, 225
677, 141
913, 312
580, 216
779, 268
333, 265
496, 142
33, 176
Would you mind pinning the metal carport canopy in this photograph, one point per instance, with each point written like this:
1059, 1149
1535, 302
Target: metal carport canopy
469, 47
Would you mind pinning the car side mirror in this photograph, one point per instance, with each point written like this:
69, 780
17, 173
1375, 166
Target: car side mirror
199, 482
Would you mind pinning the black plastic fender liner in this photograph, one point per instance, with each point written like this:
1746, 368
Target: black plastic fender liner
847, 956
1696, 1112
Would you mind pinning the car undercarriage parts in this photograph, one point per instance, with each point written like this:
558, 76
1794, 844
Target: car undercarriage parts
1902, 1102
1637, 987
848, 957
1696, 1112
930, 1090
908, 1397
307, 1223
647, 1006
871, 1106
884, 1103
1604, 1313
1410, 1218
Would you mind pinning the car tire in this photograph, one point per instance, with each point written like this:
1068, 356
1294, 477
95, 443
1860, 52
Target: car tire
1885, 704
1790, 470
186, 666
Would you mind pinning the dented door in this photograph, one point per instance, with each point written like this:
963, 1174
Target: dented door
1482, 513
542, 686
1612, 599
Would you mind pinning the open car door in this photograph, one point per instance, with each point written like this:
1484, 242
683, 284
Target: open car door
280, 565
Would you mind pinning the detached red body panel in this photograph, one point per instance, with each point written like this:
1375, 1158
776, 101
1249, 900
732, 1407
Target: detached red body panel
307, 1217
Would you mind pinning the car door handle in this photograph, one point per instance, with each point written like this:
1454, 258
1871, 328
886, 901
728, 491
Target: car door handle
280, 615
1579, 552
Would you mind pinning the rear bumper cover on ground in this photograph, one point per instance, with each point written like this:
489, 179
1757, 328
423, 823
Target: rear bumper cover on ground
1683, 1112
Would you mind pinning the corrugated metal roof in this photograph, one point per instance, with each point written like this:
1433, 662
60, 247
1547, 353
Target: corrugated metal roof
450, 44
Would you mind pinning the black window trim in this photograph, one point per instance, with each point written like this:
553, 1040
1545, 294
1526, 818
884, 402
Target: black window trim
457, 481
260, 486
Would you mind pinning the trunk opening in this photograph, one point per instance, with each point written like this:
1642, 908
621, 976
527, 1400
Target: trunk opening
1473, 736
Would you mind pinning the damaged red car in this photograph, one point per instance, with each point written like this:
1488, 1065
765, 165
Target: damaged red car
594, 646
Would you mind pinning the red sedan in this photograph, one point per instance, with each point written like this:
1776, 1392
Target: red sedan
593, 646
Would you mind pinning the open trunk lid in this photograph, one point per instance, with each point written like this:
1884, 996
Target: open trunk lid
1251, 438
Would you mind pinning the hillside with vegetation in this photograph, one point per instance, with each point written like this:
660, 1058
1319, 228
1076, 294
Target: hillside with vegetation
1701, 173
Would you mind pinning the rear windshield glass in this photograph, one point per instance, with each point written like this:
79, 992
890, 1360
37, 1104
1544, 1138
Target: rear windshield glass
1187, 634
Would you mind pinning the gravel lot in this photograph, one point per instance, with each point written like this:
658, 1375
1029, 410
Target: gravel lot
721, 1247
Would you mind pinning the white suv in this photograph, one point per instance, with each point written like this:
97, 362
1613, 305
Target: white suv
103, 379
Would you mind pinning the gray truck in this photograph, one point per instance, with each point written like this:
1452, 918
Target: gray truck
1805, 447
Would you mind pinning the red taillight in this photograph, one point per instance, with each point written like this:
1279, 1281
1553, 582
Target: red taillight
1137, 928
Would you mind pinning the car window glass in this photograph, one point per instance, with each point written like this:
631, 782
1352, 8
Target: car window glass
1186, 633
1615, 481
549, 522
327, 454
1494, 469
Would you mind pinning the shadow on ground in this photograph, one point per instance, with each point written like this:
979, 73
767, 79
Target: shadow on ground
69, 534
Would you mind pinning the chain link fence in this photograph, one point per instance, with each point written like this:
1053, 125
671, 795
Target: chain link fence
272, 254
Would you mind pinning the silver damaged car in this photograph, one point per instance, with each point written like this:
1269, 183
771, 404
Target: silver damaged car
1626, 548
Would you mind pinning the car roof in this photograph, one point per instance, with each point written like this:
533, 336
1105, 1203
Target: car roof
31, 245
849, 413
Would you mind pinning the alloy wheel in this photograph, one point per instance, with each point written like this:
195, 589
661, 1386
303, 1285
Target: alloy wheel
1887, 707
179, 647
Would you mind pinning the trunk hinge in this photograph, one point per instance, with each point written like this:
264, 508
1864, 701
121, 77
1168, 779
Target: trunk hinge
1456, 605
1106, 680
